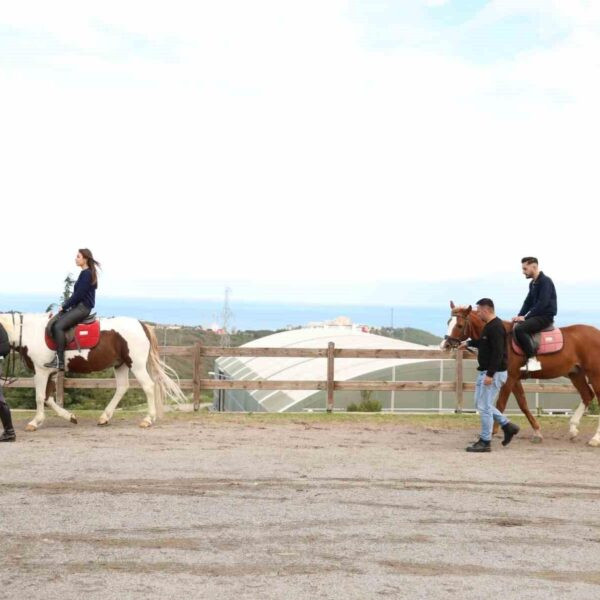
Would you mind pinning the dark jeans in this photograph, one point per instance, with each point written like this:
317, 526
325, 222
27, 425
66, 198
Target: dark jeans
5, 413
67, 320
525, 329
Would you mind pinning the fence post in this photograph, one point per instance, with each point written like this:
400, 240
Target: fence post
197, 374
330, 375
459, 381
60, 388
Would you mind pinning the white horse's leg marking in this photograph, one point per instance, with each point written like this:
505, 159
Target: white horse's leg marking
60, 411
575, 420
122, 378
40, 379
141, 374
595, 441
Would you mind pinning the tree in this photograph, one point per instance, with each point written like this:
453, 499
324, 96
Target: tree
67, 291
69, 281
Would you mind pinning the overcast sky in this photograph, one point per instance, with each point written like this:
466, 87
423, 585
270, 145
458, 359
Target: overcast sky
298, 150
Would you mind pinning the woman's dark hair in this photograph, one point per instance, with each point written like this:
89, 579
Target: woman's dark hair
92, 264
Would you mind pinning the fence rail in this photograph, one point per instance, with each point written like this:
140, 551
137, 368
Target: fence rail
199, 353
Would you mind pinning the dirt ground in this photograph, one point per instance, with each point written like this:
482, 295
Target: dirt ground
220, 506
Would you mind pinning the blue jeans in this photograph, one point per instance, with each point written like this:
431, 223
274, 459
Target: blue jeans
485, 396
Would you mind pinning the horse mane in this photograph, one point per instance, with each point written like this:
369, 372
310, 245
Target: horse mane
508, 325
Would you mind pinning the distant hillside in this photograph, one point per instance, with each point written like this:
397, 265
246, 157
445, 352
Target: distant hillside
190, 335
408, 334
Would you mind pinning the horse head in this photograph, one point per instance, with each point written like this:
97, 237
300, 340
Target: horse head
459, 326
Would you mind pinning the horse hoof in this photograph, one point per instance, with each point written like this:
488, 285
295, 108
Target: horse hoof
573, 435
594, 442
73, 419
103, 423
30, 427
537, 439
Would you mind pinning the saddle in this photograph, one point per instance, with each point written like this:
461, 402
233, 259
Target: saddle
547, 341
83, 336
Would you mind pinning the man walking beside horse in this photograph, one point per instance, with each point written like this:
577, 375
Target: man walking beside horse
493, 361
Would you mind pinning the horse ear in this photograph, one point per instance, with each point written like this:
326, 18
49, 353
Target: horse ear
452, 305
469, 309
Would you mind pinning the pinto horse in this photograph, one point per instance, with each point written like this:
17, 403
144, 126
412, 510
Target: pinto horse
124, 344
578, 360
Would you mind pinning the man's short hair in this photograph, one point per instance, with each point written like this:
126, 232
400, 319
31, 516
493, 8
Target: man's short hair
486, 302
529, 260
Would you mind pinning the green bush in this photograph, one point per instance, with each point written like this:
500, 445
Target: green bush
365, 406
594, 408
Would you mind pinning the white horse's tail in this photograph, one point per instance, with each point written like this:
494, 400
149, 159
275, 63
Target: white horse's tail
166, 380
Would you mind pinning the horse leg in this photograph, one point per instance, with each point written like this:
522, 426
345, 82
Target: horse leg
521, 398
141, 374
122, 379
505, 391
594, 379
59, 410
579, 380
40, 380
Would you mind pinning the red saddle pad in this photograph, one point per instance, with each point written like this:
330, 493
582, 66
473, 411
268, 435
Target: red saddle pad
550, 341
87, 335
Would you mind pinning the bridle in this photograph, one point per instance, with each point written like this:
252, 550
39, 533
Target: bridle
454, 342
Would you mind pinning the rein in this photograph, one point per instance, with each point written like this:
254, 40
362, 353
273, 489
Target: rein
11, 366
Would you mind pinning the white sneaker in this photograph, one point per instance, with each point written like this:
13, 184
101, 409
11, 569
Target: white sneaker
533, 364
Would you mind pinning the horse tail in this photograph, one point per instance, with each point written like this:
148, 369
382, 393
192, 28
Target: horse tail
166, 380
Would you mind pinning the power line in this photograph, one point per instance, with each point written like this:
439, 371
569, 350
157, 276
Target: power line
226, 320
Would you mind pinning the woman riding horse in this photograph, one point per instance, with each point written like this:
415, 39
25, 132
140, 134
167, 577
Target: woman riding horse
77, 307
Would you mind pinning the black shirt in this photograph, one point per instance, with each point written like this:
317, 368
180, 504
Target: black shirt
541, 300
492, 355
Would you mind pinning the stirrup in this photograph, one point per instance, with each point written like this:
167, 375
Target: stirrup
55, 364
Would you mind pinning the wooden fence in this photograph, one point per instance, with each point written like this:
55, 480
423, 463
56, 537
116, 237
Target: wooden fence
199, 353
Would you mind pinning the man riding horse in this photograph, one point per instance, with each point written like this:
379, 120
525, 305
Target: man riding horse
537, 313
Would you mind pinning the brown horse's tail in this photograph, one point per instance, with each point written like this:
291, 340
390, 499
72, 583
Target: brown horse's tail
166, 380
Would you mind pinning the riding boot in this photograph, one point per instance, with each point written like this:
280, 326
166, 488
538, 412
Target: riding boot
533, 364
53, 364
5, 417
57, 363
9, 435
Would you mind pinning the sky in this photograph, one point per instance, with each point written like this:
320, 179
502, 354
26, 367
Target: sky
355, 151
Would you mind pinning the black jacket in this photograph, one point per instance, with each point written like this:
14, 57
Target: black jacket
85, 291
541, 300
493, 355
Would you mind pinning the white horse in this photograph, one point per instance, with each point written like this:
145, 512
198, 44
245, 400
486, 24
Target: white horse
125, 344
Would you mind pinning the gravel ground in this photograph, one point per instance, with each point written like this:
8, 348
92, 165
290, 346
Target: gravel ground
220, 507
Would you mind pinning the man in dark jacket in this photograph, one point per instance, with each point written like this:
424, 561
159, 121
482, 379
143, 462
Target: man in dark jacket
493, 360
538, 310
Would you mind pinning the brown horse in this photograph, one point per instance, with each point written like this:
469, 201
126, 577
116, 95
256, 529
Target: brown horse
578, 360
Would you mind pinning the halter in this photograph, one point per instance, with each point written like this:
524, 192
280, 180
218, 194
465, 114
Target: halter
453, 341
